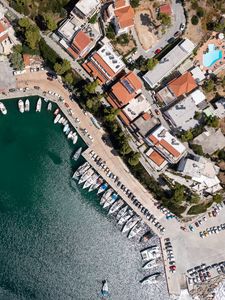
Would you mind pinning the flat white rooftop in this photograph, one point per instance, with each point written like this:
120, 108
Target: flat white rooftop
169, 62
87, 6
111, 58
136, 107
68, 29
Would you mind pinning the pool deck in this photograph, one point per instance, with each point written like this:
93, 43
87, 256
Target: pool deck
220, 64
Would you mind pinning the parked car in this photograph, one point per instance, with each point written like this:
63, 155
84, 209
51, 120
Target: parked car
182, 26
157, 51
157, 111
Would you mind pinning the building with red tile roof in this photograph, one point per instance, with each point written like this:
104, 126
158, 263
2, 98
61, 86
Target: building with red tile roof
123, 16
182, 85
104, 64
127, 88
32, 61
165, 9
80, 44
4, 25
166, 144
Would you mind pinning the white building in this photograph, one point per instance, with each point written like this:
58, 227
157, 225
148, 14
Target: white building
85, 9
181, 115
166, 144
169, 63
202, 173
136, 107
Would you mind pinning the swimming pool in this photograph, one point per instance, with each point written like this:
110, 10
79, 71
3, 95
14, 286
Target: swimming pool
212, 56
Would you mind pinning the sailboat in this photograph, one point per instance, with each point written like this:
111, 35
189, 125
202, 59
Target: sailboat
77, 153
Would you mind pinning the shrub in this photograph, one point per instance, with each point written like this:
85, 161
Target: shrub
200, 12
197, 209
197, 149
194, 20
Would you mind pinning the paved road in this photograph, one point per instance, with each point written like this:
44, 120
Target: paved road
179, 17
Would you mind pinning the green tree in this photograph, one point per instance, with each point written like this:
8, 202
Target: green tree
200, 12
212, 121
194, 20
50, 56
217, 198
110, 114
17, 61
195, 198
93, 19
125, 149
221, 154
208, 86
197, 149
24, 22
18, 48
165, 19
152, 62
63, 67
110, 32
133, 159
134, 3
187, 136
69, 78
49, 22
178, 194
32, 36
90, 87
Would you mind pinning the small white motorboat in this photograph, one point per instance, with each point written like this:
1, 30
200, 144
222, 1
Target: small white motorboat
3, 109
27, 105
21, 105
38, 106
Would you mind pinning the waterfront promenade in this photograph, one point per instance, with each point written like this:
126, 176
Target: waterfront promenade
189, 249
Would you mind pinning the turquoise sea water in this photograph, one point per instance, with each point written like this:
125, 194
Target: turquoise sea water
56, 242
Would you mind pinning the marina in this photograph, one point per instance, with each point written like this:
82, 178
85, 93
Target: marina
116, 284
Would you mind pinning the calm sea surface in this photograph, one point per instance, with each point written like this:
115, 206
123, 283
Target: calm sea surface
56, 242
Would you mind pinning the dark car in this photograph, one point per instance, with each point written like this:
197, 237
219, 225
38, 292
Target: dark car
177, 33
157, 111
171, 40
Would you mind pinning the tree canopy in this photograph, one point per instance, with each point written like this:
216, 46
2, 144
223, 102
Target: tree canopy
62, 67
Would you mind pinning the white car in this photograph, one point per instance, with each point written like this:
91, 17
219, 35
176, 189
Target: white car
182, 26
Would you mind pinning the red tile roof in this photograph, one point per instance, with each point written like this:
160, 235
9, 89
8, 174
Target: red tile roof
120, 3
26, 59
122, 93
103, 64
72, 52
153, 139
125, 16
156, 158
183, 84
165, 9
3, 37
146, 116
2, 28
169, 148
121, 114
91, 69
81, 41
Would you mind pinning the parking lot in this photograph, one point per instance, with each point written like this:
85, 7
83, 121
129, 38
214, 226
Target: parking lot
7, 80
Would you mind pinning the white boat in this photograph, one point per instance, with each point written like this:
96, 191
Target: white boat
81, 170
75, 138
69, 136
91, 180
3, 109
129, 214
67, 131
56, 111
77, 153
150, 264
95, 185
111, 200
122, 212
130, 223
86, 175
116, 206
65, 127
150, 253
61, 120
27, 105
106, 195
38, 106
102, 188
56, 120
105, 289
21, 106
136, 229
65, 121
153, 278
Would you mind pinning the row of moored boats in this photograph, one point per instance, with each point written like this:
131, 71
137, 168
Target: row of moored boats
130, 222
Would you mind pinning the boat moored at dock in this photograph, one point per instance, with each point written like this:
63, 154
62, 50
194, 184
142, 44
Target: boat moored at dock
111, 200
3, 109
150, 253
96, 185
102, 188
150, 264
122, 212
106, 195
38, 106
21, 105
116, 206
151, 279
49, 107
56, 120
27, 105
83, 168
90, 181
129, 214
86, 175
74, 138
136, 229
130, 223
